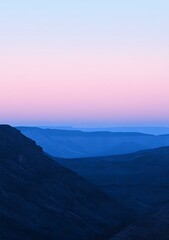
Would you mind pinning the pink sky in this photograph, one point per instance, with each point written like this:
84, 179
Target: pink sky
82, 71
101, 87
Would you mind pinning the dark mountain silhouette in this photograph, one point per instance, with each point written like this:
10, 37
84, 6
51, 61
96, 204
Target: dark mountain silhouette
41, 200
140, 182
154, 227
76, 144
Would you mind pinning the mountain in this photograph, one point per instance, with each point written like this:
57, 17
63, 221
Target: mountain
41, 200
154, 227
77, 144
140, 182
146, 130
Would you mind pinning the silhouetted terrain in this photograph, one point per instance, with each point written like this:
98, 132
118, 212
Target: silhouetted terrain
140, 182
41, 200
75, 144
154, 227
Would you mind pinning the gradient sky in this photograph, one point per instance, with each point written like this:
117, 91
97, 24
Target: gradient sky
84, 63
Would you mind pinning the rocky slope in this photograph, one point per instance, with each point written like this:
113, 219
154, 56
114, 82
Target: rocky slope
154, 227
40, 199
140, 182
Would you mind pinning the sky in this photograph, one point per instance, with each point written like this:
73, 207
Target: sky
84, 63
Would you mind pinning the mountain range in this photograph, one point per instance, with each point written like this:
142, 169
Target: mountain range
77, 144
115, 197
140, 182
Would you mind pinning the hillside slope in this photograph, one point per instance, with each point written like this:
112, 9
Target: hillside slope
139, 180
40, 199
154, 227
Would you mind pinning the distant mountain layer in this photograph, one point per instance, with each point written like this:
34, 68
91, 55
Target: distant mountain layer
146, 130
76, 144
140, 182
40, 199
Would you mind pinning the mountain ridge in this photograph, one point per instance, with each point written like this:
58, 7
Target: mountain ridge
75, 144
40, 199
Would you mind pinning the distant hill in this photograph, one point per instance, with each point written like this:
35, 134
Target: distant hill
75, 144
41, 200
145, 130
